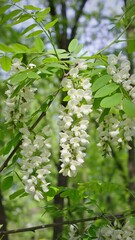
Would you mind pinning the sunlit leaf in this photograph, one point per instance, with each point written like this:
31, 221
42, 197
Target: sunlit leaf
73, 45
32, 75
106, 90
29, 28
100, 82
21, 19
39, 45
11, 15
6, 63
17, 194
31, 7
129, 108
42, 14
19, 48
111, 101
51, 24
5, 48
35, 33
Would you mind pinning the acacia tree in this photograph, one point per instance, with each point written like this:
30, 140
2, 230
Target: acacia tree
101, 88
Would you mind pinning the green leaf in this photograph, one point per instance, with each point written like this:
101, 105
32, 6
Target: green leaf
64, 56
131, 42
19, 48
66, 99
35, 33
22, 18
4, 8
29, 28
132, 220
5, 48
78, 48
111, 101
11, 15
100, 82
7, 183
31, 7
33, 75
39, 45
73, 45
106, 90
51, 24
129, 108
41, 15
17, 78
6, 63
16, 1
16, 194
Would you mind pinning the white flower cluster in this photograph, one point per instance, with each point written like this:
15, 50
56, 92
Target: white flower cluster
109, 133
119, 68
17, 106
116, 130
35, 162
127, 232
74, 120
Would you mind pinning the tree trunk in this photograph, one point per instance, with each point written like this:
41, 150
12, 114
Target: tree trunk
2, 219
59, 202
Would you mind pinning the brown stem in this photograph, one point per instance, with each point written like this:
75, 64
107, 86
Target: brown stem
109, 217
3, 221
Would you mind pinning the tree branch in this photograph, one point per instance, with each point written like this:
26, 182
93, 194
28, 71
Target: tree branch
54, 15
103, 216
43, 114
77, 17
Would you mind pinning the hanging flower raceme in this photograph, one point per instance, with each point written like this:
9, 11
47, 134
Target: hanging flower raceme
18, 105
118, 129
74, 120
119, 68
35, 163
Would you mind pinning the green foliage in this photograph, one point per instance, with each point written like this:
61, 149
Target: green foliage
106, 90
73, 45
100, 82
129, 108
6, 63
7, 183
112, 101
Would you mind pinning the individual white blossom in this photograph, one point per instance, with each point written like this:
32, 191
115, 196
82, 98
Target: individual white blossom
31, 66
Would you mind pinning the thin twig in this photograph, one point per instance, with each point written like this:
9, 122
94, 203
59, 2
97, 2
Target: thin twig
116, 39
103, 216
